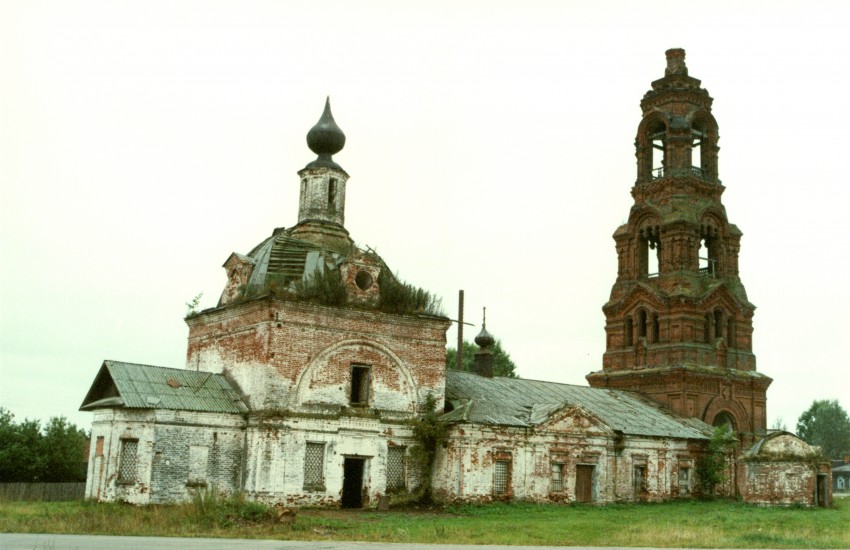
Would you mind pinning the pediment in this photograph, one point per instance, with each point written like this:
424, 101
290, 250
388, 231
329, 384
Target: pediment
571, 418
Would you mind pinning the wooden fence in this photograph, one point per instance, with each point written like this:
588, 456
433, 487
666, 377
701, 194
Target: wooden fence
42, 491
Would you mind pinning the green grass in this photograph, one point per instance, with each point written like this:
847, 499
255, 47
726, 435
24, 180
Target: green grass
684, 524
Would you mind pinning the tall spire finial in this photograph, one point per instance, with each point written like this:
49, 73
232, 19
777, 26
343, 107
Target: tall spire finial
325, 139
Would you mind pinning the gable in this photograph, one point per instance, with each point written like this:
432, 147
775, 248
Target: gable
134, 386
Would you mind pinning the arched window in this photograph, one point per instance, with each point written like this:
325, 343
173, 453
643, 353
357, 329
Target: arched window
649, 251
707, 328
724, 418
708, 246
628, 337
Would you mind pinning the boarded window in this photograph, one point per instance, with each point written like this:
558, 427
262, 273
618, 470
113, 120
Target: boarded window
360, 385
395, 468
502, 477
127, 460
557, 477
314, 467
198, 464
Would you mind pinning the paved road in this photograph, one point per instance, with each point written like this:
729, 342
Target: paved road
14, 541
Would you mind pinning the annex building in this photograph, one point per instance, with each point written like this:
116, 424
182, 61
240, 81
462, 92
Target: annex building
303, 385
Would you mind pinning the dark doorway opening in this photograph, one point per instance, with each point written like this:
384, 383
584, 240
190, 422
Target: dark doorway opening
584, 483
352, 482
822, 491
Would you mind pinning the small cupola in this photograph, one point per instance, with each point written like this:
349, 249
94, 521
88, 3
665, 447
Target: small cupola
483, 361
321, 204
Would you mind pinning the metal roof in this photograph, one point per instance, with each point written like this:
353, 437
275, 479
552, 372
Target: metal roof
526, 403
134, 386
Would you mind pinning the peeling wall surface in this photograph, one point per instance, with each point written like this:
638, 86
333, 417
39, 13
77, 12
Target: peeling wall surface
567, 462
782, 469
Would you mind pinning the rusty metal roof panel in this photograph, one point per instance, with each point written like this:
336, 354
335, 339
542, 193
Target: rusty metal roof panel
526, 403
150, 387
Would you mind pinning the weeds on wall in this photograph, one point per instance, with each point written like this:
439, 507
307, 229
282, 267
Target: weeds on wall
429, 434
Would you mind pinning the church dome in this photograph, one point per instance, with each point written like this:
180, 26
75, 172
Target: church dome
325, 139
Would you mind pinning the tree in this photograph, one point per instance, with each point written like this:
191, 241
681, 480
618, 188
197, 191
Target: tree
779, 424
711, 466
503, 365
827, 425
28, 453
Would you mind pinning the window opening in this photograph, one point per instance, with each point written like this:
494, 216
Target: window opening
697, 138
98, 448
725, 420
557, 477
127, 464
642, 324
629, 332
314, 467
332, 194
501, 477
658, 140
395, 468
649, 252
359, 385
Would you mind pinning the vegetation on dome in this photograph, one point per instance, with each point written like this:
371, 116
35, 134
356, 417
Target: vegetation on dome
328, 289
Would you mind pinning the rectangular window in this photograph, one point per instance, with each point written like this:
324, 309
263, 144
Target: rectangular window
360, 385
98, 446
332, 194
557, 477
314, 467
502, 477
127, 460
198, 464
684, 481
395, 468
640, 480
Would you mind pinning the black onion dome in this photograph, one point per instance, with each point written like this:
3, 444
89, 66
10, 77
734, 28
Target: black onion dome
484, 339
326, 138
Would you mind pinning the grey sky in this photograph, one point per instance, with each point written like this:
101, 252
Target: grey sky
490, 148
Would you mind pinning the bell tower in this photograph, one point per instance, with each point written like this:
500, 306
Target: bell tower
678, 322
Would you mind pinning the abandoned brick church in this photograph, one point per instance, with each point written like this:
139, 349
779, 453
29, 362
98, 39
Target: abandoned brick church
301, 385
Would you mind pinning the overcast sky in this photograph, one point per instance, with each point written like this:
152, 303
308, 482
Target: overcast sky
490, 148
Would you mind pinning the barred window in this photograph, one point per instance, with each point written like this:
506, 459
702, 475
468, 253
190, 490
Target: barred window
501, 477
684, 481
314, 467
127, 460
557, 477
640, 479
395, 468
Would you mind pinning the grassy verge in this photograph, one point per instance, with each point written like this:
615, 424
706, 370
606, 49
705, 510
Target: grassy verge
683, 524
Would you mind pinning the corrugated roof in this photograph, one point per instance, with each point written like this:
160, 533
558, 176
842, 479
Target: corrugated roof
525, 403
135, 386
